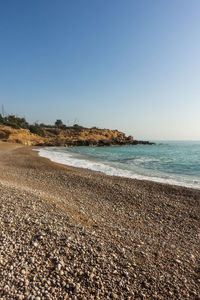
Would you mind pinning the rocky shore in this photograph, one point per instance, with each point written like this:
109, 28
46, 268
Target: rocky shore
69, 233
73, 136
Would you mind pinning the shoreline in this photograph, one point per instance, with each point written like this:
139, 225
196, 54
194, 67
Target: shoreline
134, 177
74, 233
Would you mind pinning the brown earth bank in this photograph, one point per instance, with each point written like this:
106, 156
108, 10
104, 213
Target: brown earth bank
75, 136
69, 233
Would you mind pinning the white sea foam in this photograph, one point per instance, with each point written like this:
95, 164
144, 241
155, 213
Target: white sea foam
74, 160
150, 160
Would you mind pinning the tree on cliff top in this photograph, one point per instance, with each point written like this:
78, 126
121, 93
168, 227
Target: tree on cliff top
59, 123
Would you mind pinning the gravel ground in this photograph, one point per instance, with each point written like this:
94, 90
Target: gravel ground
68, 233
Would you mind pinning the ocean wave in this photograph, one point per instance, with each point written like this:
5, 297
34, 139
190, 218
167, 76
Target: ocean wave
74, 160
146, 160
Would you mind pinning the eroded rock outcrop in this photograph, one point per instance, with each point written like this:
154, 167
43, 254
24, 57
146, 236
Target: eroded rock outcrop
21, 136
68, 137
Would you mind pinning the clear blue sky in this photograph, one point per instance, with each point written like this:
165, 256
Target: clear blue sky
120, 64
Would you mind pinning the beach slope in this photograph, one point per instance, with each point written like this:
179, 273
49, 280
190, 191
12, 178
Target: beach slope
70, 233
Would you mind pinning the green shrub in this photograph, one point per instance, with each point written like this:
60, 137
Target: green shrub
21, 122
78, 127
13, 125
55, 131
37, 130
1, 119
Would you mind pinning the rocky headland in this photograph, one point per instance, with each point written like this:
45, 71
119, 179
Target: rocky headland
73, 136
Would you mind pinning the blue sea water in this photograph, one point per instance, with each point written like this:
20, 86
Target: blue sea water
170, 162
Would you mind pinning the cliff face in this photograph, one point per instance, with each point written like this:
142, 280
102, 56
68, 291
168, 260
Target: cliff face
21, 136
86, 137
67, 137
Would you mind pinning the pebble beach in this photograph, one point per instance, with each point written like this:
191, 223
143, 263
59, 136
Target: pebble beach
69, 233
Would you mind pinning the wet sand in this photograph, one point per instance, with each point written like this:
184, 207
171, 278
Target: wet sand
69, 233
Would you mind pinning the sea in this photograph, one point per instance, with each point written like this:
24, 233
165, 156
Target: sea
172, 162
